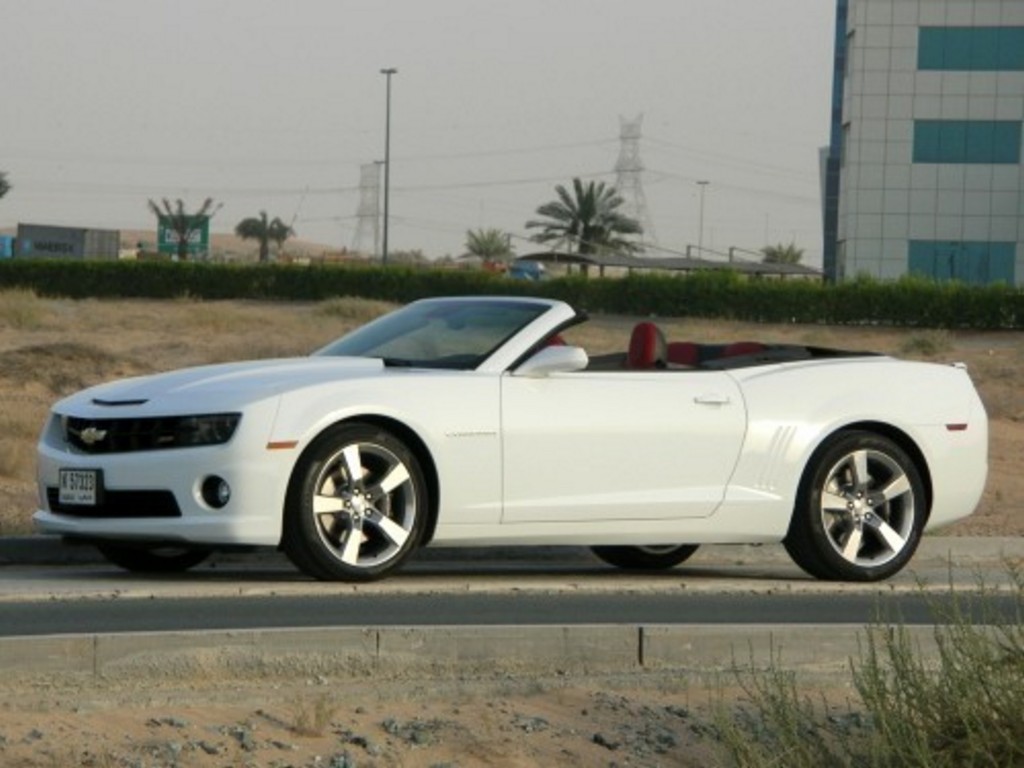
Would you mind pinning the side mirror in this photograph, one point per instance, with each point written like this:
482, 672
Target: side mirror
557, 359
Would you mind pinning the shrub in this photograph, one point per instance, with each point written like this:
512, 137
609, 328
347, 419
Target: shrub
911, 301
20, 309
927, 343
957, 707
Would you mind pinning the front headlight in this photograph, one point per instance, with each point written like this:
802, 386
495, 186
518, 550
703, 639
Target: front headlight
210, 429
150, 433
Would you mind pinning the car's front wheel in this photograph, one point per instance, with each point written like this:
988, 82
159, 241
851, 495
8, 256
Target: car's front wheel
143, 558
860, 510
356, 506
649, 558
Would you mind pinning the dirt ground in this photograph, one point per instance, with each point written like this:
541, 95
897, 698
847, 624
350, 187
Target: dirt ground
321, 722
49, 348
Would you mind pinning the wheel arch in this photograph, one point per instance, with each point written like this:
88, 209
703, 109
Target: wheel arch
415, 444
884, 429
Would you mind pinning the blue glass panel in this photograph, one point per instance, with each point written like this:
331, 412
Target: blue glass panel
984, 47
931, 42
956, 54
967, 141
1006, 136
977, 263
1011, 49
963, 49
919, 259
952, 141
926, 141
978, 142
1002, 263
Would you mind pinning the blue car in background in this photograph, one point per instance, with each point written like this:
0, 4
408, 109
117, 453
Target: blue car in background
527, 270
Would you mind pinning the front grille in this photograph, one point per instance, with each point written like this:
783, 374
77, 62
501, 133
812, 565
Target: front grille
148, 434
119, 504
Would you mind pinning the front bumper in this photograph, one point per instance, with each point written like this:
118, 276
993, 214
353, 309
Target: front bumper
157, 495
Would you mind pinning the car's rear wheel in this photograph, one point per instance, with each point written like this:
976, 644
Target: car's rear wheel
151, 558
356, 506
649, 558
860, 510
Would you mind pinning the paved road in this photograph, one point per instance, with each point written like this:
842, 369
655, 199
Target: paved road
167, 614
720, 585
480, 612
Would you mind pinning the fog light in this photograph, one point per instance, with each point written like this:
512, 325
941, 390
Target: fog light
216, 491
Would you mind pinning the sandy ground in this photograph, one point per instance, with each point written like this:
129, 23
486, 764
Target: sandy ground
52, 347
335, 723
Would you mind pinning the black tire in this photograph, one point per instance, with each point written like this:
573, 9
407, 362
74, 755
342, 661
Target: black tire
152, 558
652, 558
356, 506
860, 510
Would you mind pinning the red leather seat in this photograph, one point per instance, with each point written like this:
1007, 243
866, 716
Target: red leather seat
647, 347
742, 348
684, 353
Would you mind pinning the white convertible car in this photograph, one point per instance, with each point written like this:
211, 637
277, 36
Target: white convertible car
472, 421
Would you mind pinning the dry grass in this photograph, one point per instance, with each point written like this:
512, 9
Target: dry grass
52, 347
353, 308
21, 310
312, 716
20, 422
955, 708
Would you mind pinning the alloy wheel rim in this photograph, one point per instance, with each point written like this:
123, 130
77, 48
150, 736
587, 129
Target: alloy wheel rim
364, 505
868, 508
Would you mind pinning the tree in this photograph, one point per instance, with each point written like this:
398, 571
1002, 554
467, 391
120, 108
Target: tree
489, 244
182, 223
264, 232
782, 254
5, 186
588, 220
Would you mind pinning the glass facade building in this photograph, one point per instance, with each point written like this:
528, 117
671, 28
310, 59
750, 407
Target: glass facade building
925, 157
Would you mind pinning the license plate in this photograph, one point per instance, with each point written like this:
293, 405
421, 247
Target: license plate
80, 486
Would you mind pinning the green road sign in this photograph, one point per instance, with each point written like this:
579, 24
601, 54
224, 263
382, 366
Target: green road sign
198, 236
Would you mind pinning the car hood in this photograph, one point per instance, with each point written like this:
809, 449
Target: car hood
224, 386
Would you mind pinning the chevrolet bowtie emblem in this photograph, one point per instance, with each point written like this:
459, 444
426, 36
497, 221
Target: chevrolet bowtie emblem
92, 435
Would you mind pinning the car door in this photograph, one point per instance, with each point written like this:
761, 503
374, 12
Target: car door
618, 445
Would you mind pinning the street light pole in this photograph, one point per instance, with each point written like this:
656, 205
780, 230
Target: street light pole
700, 232
387, 160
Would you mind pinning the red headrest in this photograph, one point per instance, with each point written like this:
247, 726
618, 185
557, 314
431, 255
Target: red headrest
647, 348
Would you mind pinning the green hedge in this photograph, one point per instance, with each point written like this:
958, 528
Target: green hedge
713, 294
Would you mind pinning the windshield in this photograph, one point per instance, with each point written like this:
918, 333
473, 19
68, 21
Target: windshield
458, 334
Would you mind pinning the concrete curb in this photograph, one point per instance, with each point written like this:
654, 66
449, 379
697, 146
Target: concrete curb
398, 653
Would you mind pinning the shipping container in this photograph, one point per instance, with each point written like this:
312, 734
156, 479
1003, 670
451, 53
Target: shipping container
42, 240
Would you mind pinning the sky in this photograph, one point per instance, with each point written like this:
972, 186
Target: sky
274, 105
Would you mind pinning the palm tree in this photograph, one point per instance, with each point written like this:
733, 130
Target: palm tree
264, 231
587, 221
5, 186
489, 244
782, 254
182, 223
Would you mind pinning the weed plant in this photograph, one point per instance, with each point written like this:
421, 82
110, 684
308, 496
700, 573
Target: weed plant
958, 706
312, 716
21, 309
930, 342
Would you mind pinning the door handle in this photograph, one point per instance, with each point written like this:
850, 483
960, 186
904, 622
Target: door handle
712, 399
